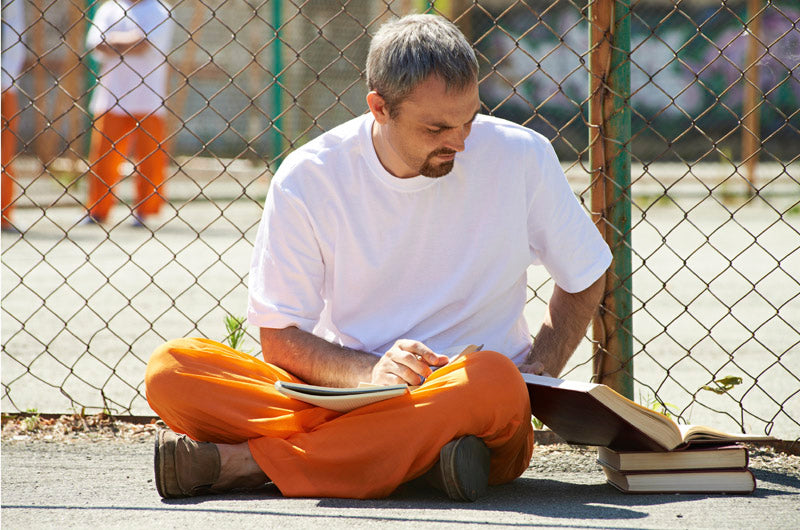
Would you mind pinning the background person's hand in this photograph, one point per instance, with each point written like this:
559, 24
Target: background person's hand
407, 362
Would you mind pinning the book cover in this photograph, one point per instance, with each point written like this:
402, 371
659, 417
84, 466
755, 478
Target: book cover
698, 481
594, 414
690, 457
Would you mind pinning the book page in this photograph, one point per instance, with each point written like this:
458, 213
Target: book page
704, 434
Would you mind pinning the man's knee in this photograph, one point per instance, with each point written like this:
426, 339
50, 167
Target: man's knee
162, 367
493, 374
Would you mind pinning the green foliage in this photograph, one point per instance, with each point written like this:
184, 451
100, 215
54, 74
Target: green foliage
537, 423
654, 403
723, 385
235, 328
31, 423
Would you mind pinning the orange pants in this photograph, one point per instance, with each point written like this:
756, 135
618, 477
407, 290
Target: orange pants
9, 149
111, 137
213, 393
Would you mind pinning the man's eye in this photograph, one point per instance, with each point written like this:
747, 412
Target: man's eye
434, 131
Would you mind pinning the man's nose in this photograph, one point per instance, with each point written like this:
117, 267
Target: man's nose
457, 137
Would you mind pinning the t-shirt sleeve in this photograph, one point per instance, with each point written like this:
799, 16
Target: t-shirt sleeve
562, 236
286, 273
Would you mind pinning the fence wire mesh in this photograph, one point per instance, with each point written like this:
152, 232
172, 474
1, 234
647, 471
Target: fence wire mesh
715, 224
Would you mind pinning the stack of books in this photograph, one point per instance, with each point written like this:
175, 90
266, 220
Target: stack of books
639, 449
711, 469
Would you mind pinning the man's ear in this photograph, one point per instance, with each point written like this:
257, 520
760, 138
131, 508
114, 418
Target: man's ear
378, 107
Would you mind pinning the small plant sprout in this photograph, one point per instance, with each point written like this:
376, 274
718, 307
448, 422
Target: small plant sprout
654, 403
235, 328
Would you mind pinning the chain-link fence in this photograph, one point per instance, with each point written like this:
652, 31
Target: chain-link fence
715, 194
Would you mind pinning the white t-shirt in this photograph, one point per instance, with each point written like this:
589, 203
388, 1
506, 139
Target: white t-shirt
13, 37
137, 84
361, 258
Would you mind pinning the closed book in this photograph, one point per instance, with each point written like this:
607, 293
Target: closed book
594, 414
689, 457
695, 481
339, 399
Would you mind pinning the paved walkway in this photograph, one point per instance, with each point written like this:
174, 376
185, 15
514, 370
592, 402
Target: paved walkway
109, 484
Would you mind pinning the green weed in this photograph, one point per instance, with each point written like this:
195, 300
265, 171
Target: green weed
656, 404
31, 423
236, 328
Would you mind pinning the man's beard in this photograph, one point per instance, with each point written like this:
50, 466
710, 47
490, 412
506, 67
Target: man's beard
431, 171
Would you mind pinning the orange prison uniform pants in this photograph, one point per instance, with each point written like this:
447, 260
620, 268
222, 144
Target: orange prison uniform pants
213, 393
9, 149
111, 137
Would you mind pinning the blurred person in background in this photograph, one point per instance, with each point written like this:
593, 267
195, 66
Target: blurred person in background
131, 40
13, 58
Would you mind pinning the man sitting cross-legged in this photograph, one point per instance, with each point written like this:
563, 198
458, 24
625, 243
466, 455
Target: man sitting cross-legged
396, 235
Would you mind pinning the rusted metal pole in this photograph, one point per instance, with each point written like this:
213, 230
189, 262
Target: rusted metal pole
751, 108
45, 140
71, 80
610, 163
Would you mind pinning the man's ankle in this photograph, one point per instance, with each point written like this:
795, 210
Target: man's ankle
238, 468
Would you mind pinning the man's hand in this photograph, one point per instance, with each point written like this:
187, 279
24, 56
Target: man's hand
534, 367
407, 361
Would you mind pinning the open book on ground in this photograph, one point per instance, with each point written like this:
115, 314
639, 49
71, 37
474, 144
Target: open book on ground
347, 399
698, 481
691, 457
594, 414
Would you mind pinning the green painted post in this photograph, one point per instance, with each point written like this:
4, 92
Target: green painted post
277, 91
610, 162
92, 70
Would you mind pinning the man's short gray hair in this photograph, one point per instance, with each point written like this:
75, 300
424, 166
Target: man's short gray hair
406, 51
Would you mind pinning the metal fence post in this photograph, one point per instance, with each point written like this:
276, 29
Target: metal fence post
609, 159
751, 107
277, 91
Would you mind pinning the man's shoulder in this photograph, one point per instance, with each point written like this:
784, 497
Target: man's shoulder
328, 151
108, 8
492, 127
337, 142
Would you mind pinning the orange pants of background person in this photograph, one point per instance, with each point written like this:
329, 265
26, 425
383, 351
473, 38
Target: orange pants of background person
112, 136
9, 149
213, 393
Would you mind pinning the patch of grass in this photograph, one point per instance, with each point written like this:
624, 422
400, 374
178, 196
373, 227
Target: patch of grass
67, 179
794, 210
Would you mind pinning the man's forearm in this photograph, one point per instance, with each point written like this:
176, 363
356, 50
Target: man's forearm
564, 325
315, 360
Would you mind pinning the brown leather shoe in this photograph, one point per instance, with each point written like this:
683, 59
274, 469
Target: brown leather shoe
462, 471
184, 467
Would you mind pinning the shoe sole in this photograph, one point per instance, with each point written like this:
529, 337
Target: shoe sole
467, 453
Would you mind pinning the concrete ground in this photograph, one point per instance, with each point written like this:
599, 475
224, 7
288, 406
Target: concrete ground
109, 484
